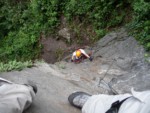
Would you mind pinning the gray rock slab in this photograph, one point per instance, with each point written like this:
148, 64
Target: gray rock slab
118, 65
53, 89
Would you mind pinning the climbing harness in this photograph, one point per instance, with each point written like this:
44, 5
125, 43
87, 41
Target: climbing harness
115, 106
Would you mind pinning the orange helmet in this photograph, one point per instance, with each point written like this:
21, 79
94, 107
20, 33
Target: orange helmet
78, 53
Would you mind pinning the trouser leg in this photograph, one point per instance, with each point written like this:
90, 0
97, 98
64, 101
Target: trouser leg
14, 98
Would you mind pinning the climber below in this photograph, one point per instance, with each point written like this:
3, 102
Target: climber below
80, 55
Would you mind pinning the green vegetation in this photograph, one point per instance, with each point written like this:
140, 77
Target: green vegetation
21, 24
23, 21
14, 65
140, 25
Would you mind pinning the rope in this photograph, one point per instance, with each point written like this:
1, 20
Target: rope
102, 79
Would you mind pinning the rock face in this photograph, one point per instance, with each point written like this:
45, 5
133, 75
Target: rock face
119, 64
65, 34
127, 56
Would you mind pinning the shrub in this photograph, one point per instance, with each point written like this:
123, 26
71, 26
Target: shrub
21, 24
14, 65
140, 26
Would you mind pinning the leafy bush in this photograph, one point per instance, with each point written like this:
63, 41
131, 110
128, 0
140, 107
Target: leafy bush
14, 65
102, 14
140, 26
21, 24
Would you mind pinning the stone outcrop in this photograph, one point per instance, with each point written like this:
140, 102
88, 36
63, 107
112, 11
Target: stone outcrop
65, 34
119, 64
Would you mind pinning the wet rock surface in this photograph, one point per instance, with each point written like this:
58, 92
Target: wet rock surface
119, 64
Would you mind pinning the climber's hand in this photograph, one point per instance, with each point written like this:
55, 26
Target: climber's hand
90, 58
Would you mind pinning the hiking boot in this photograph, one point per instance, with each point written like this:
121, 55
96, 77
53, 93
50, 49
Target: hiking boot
78, 99
33, 85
